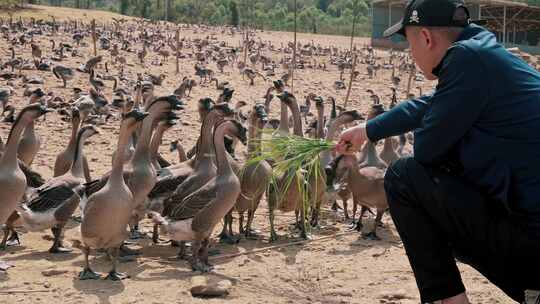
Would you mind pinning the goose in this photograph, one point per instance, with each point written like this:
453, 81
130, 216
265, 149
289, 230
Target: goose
52, 204
162, 126
98, 84
10, 116
91, 63
220, 86
177, 146
42, 65
108, 211
367, 188
141, 176
36, 51
170, 179
196, 216
225, 96
254, 179
64, 159
319, 104
5, 94
290, 199
30, 143
13, 182
63, 73
336, 124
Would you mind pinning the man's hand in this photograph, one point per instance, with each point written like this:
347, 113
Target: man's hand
351, 140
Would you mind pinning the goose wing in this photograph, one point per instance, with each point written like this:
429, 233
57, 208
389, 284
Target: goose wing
166, 184
373, 173
194, 203
52, 195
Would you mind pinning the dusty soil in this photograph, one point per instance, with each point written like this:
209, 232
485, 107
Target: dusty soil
334, 269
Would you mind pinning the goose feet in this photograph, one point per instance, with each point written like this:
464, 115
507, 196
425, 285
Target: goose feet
126, 251
155, 235
88, 274
356, 226
116, 276
251, 234
58, 248
273, 236
228, 239
13, 240
136, 234
372, 236
335, 206
197, 265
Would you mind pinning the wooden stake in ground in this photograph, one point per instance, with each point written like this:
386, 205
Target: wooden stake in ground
294, 52
355, 57
246, 44
177, 49
94, 36
412, 72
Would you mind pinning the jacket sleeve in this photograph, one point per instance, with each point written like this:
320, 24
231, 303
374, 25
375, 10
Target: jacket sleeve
459, 99
404, 117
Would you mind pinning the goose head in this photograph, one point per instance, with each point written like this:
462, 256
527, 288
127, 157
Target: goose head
319, 102
224, 109
261, 117
237, 130
287, 98
376, 110
350, 116
170, 102
88, 131
206, 104
279, 86
226, 95
132, 119
36, 95
75, 115
32, 112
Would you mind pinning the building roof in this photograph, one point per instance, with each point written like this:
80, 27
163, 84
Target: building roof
482, 2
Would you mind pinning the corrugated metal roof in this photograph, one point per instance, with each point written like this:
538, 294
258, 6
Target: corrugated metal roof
484, 2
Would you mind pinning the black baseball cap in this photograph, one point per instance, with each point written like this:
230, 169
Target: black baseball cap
451, 13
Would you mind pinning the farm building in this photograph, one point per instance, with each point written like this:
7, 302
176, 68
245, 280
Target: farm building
516, 24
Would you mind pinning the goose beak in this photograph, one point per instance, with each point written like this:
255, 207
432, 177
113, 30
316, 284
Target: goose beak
142, 115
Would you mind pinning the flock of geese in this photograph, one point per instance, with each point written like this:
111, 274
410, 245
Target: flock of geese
209, 184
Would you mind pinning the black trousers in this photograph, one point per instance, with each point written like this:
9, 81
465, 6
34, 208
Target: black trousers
440, 217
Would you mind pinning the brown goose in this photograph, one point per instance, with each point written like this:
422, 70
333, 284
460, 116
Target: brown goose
290, 199
64, 160
108, 211
63, 73
196, 216
30, 143
177, 146
344, 118
254, 178
12, 179
170, 178
141, 176
163, 125
367, 187
51, 205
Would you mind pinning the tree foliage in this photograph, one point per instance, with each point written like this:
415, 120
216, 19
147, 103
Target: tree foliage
316, 16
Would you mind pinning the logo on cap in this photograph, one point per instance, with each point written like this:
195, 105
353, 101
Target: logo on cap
414, 17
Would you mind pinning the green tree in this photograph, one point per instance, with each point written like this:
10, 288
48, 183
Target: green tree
235, 17
124, 5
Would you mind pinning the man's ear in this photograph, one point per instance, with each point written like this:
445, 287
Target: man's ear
426, 36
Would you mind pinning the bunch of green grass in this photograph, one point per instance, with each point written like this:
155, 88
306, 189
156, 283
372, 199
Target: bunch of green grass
292, 156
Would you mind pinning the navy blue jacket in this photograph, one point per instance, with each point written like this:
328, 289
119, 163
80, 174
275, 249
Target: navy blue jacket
483, 118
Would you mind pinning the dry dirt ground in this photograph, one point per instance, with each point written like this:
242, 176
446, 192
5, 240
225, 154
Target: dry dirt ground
336, 269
